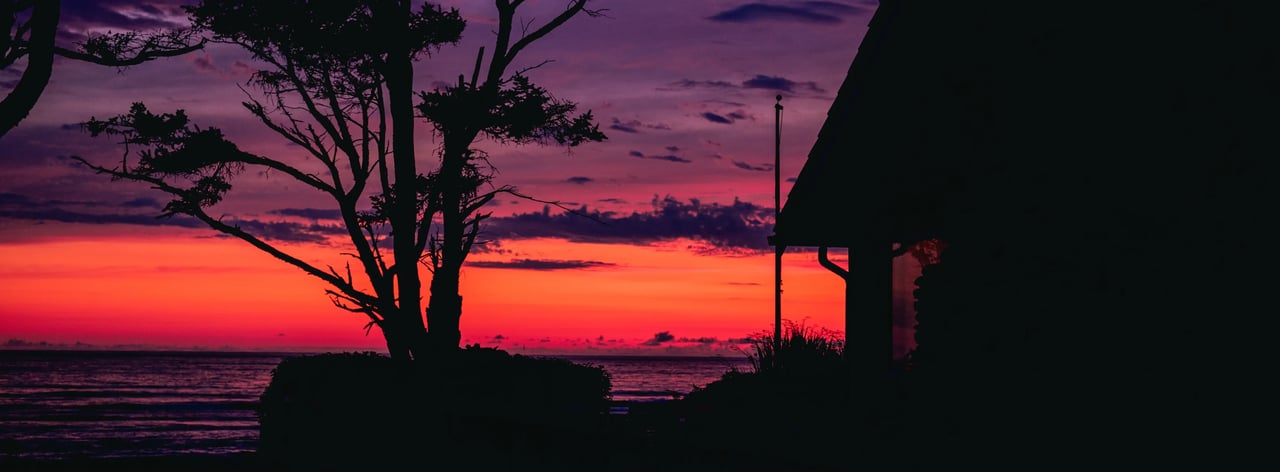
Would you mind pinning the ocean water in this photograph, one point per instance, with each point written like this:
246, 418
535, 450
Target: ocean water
57, 404
661, 378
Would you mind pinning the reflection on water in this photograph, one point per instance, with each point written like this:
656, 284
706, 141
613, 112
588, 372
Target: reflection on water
57, 404
661, 378
108, 404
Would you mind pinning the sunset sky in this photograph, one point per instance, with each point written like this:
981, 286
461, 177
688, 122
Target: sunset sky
684, 90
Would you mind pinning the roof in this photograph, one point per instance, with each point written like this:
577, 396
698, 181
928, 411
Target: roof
906, 125
868, 164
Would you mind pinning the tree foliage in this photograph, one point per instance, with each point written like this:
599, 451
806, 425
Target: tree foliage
169, 149
337, 84
508, 108
334, 100
29, 32
518, 113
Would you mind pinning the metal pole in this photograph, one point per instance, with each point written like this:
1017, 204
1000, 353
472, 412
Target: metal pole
777, 210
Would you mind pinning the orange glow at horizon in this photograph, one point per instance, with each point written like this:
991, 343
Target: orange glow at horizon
185, 290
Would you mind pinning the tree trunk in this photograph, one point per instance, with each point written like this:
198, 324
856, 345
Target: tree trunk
407, 326
444, 310
397, 349
44, 26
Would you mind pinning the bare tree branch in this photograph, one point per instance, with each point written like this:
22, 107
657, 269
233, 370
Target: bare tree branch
217, 224
132, 48
23, 97
578, 6
535, 66
511, 191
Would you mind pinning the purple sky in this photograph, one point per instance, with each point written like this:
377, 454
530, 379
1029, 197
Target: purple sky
684, 91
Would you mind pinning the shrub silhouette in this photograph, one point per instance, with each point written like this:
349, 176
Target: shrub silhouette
360, 409
794, 398
803, 350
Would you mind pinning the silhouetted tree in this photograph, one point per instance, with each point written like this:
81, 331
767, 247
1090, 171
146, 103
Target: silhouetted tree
339, 86
30, 30
508, 108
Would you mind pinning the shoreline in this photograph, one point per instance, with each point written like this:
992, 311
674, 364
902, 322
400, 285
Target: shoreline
240, 461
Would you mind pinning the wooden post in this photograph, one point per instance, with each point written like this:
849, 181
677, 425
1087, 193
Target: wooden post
869, 338
778, 247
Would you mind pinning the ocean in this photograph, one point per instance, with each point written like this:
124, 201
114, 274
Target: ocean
102, 404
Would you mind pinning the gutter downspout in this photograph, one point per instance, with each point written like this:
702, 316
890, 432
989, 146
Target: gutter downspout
831, 266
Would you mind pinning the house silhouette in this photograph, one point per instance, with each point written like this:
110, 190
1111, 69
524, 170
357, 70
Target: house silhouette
1103, 177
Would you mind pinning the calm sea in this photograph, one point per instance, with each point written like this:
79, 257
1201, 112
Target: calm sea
56, 404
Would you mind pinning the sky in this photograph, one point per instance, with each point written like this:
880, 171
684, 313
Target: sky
683, 90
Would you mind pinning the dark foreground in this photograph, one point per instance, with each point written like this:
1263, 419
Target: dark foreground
646, 439
194, 462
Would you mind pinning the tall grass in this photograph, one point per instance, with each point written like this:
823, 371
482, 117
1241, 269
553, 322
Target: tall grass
801, 350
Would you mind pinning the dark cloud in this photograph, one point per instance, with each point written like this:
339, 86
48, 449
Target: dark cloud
759, 168
739, 226
714, 118
660, 157
21, 207
310, 213
205, 63
288, 231
836, 8
242, 68
13, 199
24, 344
758, 81
659, 338
816, 12
634, 126
669, 157
781, 84
689, 83
539, 264
66, 216
151, 9
142, 202
702, 340
743, 283
727, 118
79, 16
791, 179
672, 148
489, 247
611, 200
623, 127
16, 201
579, 180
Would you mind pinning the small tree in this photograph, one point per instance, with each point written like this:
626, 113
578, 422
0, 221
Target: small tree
30, 29
339, 86
508, 108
